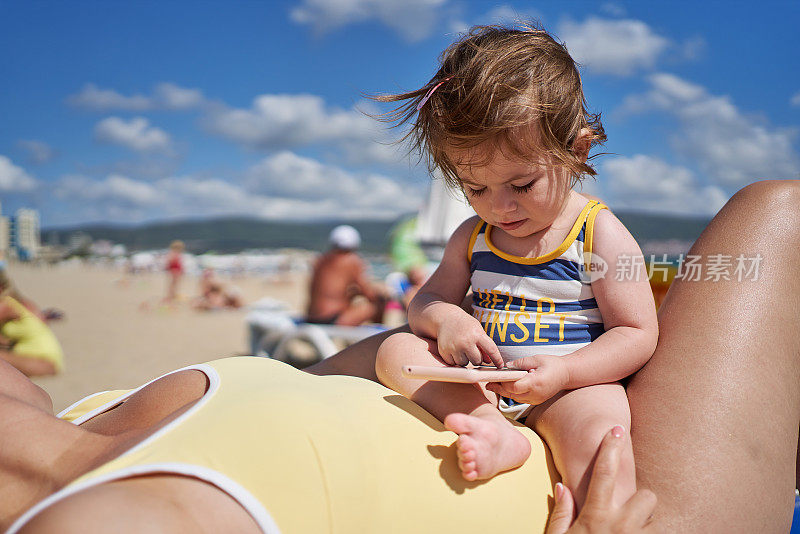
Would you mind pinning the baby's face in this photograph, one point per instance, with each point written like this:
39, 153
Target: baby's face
519, 197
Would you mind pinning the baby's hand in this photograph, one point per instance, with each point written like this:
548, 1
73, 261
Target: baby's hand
547, 375
462, 340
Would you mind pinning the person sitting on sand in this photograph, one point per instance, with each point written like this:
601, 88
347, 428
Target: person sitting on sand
339, 276
215, 294
26, 342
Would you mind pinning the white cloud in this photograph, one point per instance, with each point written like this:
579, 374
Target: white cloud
284, 186
167, 96
502, 14
612, 46
92, 97
171, 96
287, 121
331, 188
14, 178
692, 48
795, 100
729, 146
124, 199
135, 134
38, 152
114, 189
613, 9
649, 184
414, 20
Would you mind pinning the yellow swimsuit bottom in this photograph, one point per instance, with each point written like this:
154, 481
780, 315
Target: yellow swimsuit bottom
311, 454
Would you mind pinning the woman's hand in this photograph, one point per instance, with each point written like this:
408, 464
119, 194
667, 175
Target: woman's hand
547, 375
598, 515
461, 340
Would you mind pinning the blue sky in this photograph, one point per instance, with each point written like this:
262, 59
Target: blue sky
137, 111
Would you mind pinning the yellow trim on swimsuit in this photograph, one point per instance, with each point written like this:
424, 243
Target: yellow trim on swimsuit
573, 233
588, 239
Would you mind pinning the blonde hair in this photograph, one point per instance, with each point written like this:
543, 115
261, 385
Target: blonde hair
494, 84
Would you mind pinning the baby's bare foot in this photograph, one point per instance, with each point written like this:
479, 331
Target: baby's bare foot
486, 445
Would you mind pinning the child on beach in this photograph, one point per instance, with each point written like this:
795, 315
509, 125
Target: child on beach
504, 119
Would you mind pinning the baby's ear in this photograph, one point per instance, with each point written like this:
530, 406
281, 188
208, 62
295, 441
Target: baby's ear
582, 144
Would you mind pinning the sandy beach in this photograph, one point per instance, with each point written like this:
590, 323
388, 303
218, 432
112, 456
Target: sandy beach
110, 342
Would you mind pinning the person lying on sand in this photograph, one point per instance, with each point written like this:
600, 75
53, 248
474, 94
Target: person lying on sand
216, 294
715, 413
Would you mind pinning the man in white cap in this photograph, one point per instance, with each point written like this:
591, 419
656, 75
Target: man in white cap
340, 275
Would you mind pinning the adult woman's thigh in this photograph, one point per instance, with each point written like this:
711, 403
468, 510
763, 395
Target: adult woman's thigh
715, 411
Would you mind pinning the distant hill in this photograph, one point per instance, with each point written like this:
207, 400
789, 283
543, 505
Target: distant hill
233, 234
226, 235
650, 227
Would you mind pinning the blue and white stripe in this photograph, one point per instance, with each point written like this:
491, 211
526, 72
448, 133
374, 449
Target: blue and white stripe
534, 308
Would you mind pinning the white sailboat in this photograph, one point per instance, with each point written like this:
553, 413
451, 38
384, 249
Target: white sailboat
441, 214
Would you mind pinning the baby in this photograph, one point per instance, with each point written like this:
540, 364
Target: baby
504, 120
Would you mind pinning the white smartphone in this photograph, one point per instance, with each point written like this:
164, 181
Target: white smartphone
466, 375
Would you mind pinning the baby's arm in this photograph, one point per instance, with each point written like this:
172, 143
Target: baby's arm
628, 309
435, 311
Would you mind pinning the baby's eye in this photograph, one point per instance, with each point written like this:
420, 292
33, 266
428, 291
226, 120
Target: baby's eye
475, 192
522, 188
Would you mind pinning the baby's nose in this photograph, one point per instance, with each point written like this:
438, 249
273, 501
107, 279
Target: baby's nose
502, 204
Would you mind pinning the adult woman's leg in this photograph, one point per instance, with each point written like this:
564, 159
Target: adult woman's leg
715, 411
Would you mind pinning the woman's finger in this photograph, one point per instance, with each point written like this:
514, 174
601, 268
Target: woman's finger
604, 474
563, 512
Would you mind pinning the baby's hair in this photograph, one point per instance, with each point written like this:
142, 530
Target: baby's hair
493, 84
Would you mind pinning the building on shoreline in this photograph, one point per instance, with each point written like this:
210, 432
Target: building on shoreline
20, 235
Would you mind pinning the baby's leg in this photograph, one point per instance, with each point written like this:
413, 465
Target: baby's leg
487, 442
573, 425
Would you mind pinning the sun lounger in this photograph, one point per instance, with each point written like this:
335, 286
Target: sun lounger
272, 332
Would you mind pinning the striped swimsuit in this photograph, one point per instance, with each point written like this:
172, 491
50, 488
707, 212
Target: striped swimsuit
542, 305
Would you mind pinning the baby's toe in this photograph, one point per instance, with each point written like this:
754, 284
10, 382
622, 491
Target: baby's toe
467, 465
470, 475
467, 454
